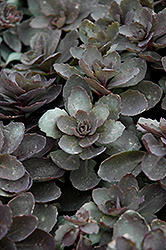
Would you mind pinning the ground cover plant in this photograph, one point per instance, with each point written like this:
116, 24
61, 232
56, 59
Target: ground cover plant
83, 125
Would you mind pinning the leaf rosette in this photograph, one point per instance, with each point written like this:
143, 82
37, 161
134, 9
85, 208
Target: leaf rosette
82, 126
25, 93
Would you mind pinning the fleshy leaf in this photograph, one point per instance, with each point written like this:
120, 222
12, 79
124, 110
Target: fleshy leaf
42, 169
99, 113
78, 100
135, 63
47, 216
123, 77
8, 244
88, 140
151, 91
127, 142
45, 191
65, 70
91, 152
154, 240
71, 83
85, 177
67, 124
5, 220
116, 166
16, 186
23, 204
128, 181
134, 224
133, 103
113, 101
39, 239
70, 144
153, 145
11, 168
13, 135
154, 166
154, 198
30, 145
47, 123
110, 131
64, 160
28, 224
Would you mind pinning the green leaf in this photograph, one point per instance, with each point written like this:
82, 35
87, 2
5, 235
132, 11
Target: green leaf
78, 100
47, 123
114, 167
110, 131
91, 152
99, 113
12, 41
113, 101
67, 124
65, 70
85, 177
14, 56
64, 160
70, 144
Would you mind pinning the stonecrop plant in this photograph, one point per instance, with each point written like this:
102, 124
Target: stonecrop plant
82, 125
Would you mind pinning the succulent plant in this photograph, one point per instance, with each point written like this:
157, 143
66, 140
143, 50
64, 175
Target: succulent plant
124, 196
154, 140
9, 15
76, 230
83, 125
59, 14
145, 29
46, 48
25, 93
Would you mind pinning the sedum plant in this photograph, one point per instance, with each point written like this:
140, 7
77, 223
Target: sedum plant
83, 128
76, 230
25, 93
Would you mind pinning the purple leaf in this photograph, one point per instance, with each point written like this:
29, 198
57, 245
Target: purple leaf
64, 160
39, 239
91, 152
31, 144
5, 220
42, 169
133, 103
116, 166
16, 186
11, 168
22, 204
85, 177
153, 145
28, 224
47, 216
45, 191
